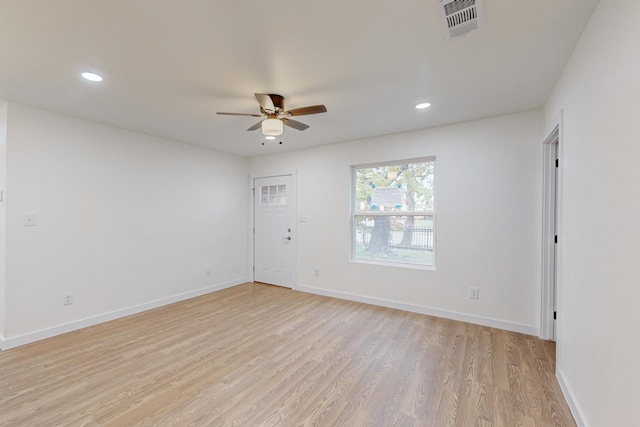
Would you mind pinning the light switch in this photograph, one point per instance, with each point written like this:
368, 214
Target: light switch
29, 220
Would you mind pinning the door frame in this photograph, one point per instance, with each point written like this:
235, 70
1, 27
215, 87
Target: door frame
550, 231
294, 224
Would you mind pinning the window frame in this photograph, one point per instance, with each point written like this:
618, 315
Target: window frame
355, 212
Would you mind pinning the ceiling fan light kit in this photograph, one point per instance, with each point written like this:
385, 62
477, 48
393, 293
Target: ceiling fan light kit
272, 127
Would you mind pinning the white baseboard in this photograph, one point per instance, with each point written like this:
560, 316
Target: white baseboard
462, 317
8, 343
578, 415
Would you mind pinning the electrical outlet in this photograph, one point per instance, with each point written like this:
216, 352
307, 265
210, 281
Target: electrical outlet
474, 293
67, 298
207, 272
316, 271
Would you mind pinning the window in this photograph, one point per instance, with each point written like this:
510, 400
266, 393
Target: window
273, 195
393, 213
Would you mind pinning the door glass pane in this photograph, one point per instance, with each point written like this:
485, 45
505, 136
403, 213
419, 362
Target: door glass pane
282, 194
273, 195
264, 196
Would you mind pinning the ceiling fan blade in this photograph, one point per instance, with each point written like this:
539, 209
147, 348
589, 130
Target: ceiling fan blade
270, 101
313, 109
265, 102
295, 124
256, 126
239, 114
278, 101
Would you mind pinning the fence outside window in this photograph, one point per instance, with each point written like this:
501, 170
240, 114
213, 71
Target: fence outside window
408, 238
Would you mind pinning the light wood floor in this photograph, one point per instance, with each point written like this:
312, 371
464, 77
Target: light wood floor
259, 355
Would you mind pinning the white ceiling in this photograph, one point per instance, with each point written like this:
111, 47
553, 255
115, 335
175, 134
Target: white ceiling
169, 65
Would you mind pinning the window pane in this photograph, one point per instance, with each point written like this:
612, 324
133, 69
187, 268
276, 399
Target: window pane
264, 196
273, 195
395, 188
401, 239
282, 194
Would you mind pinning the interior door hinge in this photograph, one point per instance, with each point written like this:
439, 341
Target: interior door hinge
555, 239
555, 313
557, 162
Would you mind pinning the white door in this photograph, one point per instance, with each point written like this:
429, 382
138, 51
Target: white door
549, 236
274, 239
554, 286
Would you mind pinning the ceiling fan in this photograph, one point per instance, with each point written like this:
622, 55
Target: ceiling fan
275, 115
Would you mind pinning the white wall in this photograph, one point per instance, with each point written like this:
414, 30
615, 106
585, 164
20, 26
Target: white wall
3, 168
125, 221
488, 202
598, 317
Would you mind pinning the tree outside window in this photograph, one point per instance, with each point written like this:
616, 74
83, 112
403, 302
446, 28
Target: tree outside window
393, 212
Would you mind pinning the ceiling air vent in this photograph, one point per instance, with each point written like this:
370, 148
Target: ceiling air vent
460, 17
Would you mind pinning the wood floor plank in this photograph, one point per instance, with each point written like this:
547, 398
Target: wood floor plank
259, 355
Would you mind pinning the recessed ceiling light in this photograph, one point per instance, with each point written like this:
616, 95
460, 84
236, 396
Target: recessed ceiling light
269, 137
92, 77
423, 106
